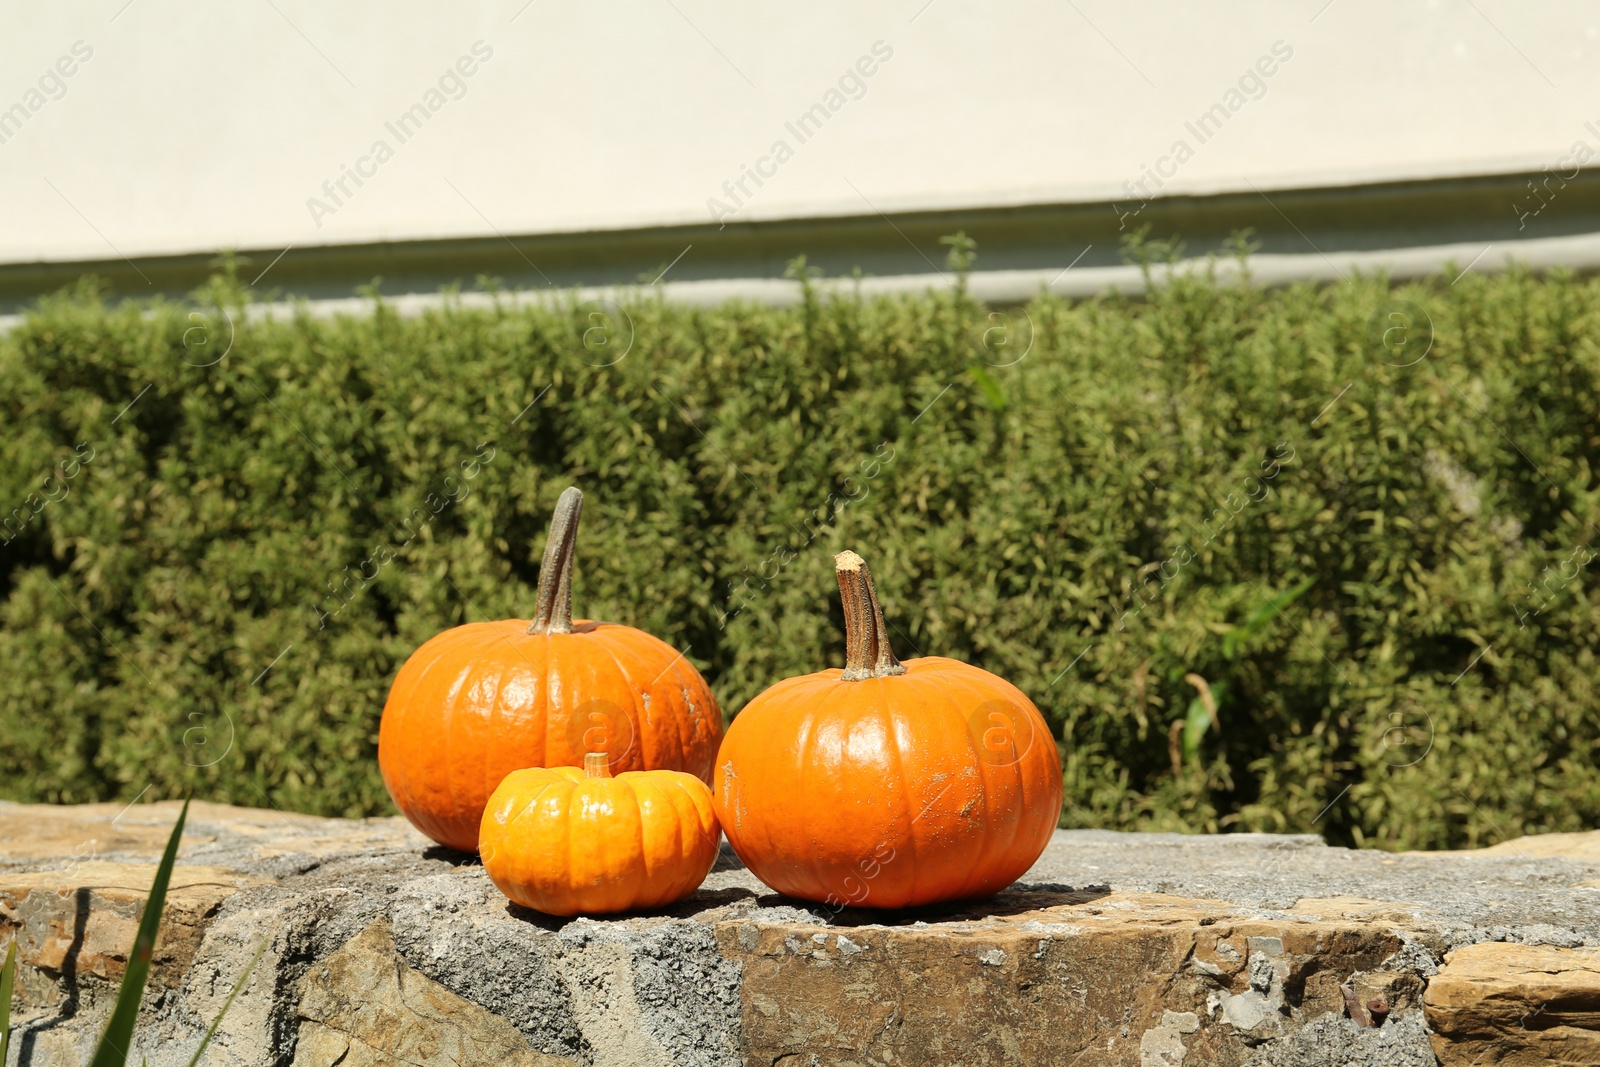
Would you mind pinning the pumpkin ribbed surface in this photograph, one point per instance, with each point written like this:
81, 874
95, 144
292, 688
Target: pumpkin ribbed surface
885, 784
482, 700
565, 843
479, 701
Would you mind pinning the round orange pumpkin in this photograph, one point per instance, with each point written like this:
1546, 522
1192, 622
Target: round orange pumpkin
888, 785
484, 699
566, 841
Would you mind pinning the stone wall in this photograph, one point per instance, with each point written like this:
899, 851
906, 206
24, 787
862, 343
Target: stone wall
1148, 950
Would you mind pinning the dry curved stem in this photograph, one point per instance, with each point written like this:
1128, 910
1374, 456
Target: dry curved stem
596, 765
1207, 701
866, 637
555, 572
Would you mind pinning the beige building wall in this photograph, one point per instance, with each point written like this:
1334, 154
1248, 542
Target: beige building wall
158, 128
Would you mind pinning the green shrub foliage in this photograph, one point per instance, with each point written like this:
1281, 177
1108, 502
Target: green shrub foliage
224, 532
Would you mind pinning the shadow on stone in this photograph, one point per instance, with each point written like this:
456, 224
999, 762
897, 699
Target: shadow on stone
701, 900
69, 977
449, 855
552, 923
1018, 899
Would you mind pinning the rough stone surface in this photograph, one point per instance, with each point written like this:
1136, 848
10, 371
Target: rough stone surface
363, 1006
1516, 1005
1142, 950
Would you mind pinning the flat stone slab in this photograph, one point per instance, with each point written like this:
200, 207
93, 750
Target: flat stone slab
1150, 950
1517, 1004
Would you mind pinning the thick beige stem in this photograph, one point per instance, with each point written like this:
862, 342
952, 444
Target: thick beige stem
596, 765
866, 636
555, 572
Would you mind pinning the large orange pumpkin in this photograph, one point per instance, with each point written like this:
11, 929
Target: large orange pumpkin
487, 698
888, 785
579, 842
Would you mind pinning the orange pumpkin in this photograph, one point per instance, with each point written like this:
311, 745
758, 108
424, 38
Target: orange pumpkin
487, 698
888, 785
566, 841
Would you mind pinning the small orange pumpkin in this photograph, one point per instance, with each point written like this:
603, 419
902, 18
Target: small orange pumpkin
566, 841
888, 785
484, 699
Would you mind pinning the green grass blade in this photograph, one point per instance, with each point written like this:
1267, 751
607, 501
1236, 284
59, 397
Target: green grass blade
1270, 610
8, 976
993, 395
243, 978
118, 1038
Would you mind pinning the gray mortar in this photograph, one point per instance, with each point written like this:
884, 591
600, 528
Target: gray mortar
444, 927
1413, 956
687, 993
1330, 1041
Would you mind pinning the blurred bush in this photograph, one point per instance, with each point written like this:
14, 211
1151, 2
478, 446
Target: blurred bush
225, 533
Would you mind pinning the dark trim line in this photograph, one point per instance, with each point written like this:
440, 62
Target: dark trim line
1313, 222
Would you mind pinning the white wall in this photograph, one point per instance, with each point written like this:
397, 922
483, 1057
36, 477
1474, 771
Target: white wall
200, 126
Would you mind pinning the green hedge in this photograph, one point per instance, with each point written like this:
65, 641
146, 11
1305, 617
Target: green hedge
1092, 499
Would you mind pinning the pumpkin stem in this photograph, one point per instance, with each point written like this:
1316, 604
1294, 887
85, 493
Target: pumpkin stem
596, 765
555, 573
866, 638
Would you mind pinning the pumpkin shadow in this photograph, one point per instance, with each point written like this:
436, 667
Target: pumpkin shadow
1020, 898
727, 859
701, 900
552, 923
441, 854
